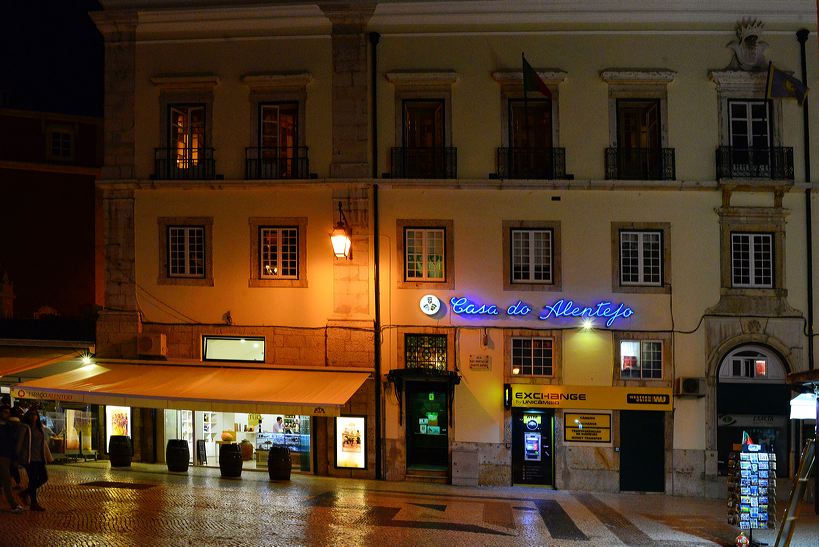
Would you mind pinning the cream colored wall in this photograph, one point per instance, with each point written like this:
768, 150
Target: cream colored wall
585, 220
231, 210
693, 129
230, 60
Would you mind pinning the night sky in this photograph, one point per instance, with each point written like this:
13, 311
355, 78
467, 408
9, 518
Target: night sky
51, 56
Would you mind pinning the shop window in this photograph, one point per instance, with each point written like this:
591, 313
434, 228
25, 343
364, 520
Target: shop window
641, 253
232, 348
185, 251
425, 351
426, 250
752, 260
641, 359
532, 356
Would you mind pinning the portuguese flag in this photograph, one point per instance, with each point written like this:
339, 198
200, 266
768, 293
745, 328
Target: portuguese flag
532, 80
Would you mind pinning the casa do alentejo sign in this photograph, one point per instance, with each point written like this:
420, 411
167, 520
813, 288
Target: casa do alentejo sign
591, 397
605, 310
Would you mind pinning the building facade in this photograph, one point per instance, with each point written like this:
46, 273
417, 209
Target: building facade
596, 281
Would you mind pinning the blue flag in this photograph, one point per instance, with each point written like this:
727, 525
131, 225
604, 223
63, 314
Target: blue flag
782, 84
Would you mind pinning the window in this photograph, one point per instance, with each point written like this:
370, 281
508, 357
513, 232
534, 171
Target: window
752, 363
232, 348
60, 145
423, 125
425, 248
531, 256
278, 252
532, 356
425, 351
185, 251
186, 134
749, 125
641, 258
641, 359
752, 260
278, 152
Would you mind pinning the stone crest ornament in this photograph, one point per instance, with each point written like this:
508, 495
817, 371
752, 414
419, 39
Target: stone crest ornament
749, 50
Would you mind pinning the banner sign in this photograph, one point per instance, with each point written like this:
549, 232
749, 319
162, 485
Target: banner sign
587, 427
592, 397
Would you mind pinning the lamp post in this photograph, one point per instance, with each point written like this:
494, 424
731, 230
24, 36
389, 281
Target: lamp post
340, 237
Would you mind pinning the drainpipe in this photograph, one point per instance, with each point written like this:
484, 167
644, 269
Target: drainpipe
374, 39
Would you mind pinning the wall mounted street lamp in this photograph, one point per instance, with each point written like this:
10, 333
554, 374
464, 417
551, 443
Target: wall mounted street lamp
340, 238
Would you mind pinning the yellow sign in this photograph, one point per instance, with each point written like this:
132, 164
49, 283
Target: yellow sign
587, 428
592, 397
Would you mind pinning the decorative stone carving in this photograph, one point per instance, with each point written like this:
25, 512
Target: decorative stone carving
653, 76
749, 50
553, 76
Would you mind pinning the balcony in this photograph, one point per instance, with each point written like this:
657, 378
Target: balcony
531, 163
640, 164
424, 163
276, 163
185, 164
755, 163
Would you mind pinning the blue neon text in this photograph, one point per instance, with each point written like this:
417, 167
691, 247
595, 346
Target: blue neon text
463, 306
567, 308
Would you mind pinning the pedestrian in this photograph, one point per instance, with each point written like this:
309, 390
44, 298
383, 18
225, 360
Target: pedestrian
16, 420
33, 453
7, 456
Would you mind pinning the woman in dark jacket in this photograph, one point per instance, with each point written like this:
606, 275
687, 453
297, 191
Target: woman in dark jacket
33, 453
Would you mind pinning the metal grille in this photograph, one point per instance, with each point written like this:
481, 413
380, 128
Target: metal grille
425, 351
532, 356
531, 163
752, 260
640, 164
186, 251
532, 256
641, 258
424, 254
279, 252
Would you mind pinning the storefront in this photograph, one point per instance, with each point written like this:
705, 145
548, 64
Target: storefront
584, 416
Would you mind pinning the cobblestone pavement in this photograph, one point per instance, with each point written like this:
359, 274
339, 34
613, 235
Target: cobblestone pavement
91, 504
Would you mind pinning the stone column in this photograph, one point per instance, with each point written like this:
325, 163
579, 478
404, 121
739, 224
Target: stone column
118, 325
350, 89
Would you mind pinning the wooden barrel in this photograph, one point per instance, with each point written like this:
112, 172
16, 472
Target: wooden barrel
230, 460
119, 451
278, 463
177, 455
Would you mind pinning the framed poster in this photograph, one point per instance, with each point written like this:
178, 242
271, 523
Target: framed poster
351, 442
117, 422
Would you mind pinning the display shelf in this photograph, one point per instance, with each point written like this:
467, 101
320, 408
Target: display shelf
752, 489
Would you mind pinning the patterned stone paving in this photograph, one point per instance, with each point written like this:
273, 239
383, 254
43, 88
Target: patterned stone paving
90, 504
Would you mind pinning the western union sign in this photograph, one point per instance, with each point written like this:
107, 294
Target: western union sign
592, 397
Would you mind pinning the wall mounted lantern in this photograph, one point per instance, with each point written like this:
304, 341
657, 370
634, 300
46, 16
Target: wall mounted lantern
340, 238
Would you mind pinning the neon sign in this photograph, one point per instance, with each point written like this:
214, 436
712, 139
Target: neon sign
604, 309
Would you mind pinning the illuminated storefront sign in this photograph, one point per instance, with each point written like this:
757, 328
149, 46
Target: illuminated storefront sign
351, 444
587, 427
591, 397
117, 422
608, 311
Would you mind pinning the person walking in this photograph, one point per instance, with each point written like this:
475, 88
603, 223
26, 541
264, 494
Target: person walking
33, 453
16, 421
7, 456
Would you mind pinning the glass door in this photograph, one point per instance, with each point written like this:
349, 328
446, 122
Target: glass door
427, 426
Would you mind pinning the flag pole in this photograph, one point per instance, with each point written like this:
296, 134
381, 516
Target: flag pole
526, 101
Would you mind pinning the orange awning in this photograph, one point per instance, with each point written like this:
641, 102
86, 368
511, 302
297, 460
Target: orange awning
17, 359
186, 387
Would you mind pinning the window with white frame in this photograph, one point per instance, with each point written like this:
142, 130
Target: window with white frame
232, 348
278, 252
532, 256
60, 144
186, 251
752, 260
424, 254
641, 359
532, 356
641, 258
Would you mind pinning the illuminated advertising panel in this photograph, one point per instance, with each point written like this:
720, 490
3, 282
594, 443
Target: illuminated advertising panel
117, 422
351, 447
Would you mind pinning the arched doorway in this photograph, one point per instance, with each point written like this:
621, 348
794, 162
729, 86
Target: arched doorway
753, 396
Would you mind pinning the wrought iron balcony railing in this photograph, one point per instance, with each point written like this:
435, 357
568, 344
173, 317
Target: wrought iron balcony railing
755, 163
184, 163
531, 163
277, 163
424, 163
640, 164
